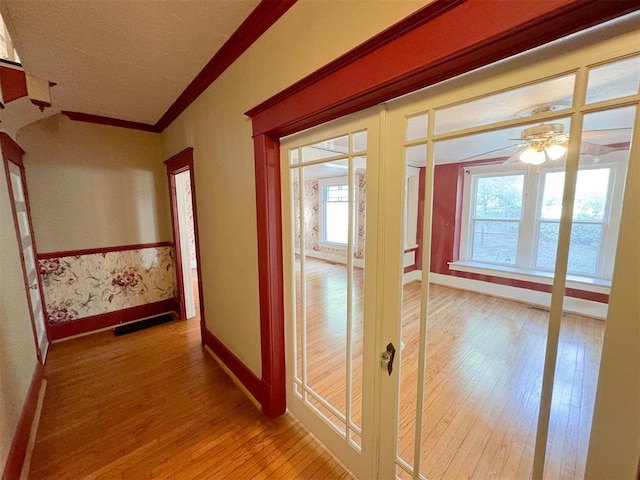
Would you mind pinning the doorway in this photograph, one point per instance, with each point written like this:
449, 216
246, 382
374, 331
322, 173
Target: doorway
539, 217
185, 233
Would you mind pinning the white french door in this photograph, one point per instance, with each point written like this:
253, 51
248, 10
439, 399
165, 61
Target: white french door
408, 231
19, 199
329, 185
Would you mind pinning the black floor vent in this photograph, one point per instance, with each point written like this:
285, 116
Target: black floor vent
142, 324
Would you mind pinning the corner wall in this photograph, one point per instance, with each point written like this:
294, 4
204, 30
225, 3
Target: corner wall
221, 135
100, 208
94, 186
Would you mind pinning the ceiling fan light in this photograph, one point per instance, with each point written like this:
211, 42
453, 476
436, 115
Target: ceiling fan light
555, 151
532, 156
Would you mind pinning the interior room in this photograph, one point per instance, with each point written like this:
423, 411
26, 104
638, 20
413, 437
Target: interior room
410, 253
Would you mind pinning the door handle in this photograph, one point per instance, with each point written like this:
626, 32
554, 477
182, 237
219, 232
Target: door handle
387, 357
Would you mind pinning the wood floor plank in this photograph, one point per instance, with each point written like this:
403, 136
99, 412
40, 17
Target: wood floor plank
153, 404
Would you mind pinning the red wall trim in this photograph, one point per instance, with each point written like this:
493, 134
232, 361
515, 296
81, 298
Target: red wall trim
259, 21
269, 217
96, 322
460, 36
233, 363
18, 450
113, 122
94, 251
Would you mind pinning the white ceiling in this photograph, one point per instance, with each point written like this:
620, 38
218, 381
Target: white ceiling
125, 59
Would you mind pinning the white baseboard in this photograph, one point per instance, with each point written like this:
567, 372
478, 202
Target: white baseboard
411, 276
332, 257
532, 297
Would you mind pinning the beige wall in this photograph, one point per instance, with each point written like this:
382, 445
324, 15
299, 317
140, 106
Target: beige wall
94, 186
308, 36
17, 348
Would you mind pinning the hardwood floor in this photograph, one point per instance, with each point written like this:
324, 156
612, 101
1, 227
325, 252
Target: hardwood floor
483, 377
154, 404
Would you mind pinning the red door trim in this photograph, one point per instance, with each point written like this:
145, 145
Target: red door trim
183, 162
440, 41
269, 216
12, 152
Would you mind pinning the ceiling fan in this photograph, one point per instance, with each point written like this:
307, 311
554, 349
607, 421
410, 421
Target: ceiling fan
549, 141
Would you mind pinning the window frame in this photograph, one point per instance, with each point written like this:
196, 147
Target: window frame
531, 214
322, 214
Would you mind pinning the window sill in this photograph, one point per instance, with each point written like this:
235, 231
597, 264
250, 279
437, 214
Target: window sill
573, 281
339, 246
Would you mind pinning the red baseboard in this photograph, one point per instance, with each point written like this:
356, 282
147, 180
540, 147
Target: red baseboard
233, 363
17, 453
96, 322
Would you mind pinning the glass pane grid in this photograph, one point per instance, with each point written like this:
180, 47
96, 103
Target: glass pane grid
330, 294
614, 80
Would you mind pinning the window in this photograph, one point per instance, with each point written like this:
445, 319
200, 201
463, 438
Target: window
514, 217
335, 211
589, 218
496, 218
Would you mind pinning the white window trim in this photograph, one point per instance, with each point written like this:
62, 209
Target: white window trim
328, 182
530, 220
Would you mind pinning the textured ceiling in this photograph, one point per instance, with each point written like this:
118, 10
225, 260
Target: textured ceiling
126, 59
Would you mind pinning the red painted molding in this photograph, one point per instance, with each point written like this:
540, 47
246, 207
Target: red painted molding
424, 15
462, 36
10, 149
233, 363
263, 16
259, 21
18, 450
13, 83
270, 278
102, 250
111, 319
113, 122
179, 163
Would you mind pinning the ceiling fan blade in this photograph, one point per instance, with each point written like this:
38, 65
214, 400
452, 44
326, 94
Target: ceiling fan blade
515, 157
594, 149
603, 133
485, 154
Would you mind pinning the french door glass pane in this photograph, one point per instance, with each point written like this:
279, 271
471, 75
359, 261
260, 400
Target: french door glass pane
329, 228
557, 92
598, 198
614, 80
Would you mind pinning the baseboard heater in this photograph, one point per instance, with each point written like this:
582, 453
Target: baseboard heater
142, 324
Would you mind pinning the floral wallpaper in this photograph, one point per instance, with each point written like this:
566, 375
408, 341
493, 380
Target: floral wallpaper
85, 285
312, 234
